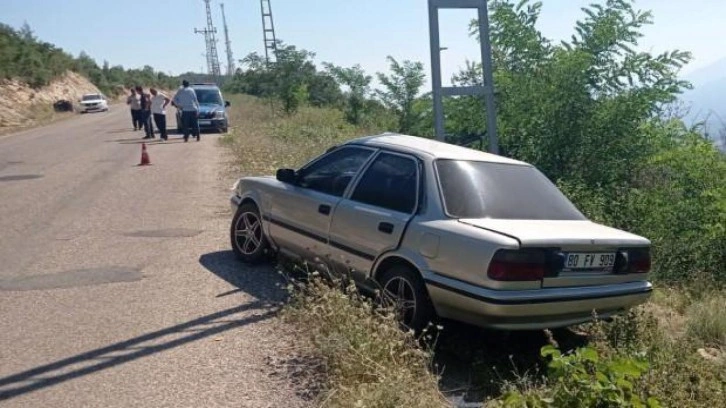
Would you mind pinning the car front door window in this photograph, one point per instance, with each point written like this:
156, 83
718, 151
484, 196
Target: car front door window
332, 173
390, 182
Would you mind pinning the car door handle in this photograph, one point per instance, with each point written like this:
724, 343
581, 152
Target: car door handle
324, 209
385, 227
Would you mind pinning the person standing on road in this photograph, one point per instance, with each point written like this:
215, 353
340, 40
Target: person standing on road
135, 107
159, 102
186, 100
145, 100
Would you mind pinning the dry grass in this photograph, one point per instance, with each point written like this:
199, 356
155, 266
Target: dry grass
367, 360
706, 321
263, 141
38, 114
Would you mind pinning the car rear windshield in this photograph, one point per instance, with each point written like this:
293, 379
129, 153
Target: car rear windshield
475, 189
91, 97
208, 97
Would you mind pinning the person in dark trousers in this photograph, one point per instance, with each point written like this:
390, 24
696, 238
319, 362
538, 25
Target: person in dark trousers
159, 102
186, 100
145, 101
135, 107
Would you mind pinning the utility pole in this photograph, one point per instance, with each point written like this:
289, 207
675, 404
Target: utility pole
228, 44
211, 43
268, 30
487, 89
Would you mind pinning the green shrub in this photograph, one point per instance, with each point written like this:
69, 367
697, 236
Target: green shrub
584, 379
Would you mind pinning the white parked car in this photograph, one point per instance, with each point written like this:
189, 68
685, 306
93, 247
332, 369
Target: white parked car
93, 102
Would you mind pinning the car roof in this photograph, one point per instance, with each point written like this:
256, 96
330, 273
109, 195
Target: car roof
204, 86
433, 148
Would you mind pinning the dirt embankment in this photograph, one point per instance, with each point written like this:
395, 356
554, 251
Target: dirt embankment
22, 106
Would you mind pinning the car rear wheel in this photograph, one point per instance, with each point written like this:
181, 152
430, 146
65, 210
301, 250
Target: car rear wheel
404, 290
248, 240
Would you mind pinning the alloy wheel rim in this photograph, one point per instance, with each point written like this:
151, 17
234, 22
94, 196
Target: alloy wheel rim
400, 294
248, 233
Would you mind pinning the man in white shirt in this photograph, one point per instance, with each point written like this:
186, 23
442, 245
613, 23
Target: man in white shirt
159, 101
186, 100
135, 106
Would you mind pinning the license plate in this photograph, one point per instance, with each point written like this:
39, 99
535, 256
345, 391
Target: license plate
589, 260
205, 122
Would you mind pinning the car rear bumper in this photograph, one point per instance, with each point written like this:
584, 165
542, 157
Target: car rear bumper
531, 309
92, 108
212, 123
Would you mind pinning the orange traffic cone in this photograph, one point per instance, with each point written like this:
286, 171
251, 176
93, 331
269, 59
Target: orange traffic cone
144, 156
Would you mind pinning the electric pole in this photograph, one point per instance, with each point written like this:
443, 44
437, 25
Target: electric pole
211, 43
228, 44
268, 30
486, 89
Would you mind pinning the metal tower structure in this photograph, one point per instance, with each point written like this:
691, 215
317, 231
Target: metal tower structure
228, 44
268, 30
487, 89
211, 43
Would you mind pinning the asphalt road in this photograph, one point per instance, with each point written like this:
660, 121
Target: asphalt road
117, 285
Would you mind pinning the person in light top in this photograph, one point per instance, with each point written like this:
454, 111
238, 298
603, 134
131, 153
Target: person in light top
159, 102
186, 100
135, 107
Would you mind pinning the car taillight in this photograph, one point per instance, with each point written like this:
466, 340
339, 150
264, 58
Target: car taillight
632, 260
639, 260
518, 265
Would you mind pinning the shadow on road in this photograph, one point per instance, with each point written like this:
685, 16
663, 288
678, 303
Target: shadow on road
473, 362
261, 282
114, 131
129, 350
154, 141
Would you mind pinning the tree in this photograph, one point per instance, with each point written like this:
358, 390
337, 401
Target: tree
293, 72
358, 84
573, 109
402, 87
589, 112
292, 78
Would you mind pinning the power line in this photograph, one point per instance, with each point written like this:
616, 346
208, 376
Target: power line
211, 44
268, 30
230, 59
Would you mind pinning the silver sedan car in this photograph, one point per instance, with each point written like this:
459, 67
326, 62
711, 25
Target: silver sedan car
445, 231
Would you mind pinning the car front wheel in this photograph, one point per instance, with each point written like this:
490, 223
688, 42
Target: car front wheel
248, 240
404, 290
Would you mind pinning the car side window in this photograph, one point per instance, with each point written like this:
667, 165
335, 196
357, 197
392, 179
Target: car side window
333, 173
390, 182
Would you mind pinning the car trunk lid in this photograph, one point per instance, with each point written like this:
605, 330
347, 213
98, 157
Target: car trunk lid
583, 244
534, 233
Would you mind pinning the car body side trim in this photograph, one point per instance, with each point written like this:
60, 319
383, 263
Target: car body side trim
295, 229
352, 251
316, 237
537, 296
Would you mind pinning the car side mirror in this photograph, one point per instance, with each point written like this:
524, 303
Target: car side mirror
287, 176
226, 104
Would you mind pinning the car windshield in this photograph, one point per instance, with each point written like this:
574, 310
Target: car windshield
208, 97
474, 189
91, 97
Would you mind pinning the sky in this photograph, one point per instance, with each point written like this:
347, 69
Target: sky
160, 33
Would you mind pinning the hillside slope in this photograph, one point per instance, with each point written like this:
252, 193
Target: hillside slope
22, 106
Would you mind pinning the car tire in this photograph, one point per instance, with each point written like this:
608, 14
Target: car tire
404, 283
246, 235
